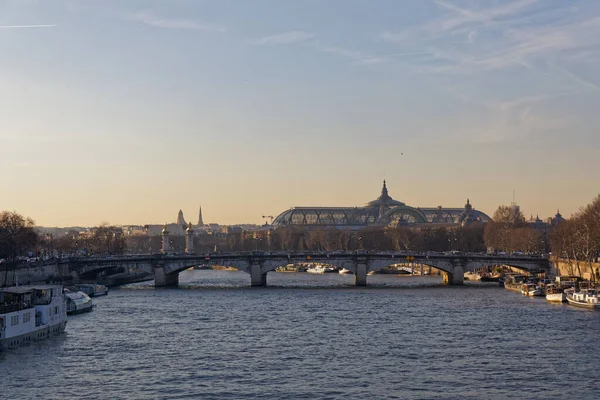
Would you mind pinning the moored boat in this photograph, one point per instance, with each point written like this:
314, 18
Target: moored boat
514, 282
30, 313
531, 289
587, 298
321, 269
491, 278
555, 294
472, 276
91, 289
78, 302
395, 270
288, 268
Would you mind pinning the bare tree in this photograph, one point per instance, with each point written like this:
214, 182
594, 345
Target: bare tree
16, 235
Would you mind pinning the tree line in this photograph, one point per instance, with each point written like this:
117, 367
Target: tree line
508, 232
18, 238
577, 240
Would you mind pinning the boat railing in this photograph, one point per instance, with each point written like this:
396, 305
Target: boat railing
42, 300
12, 307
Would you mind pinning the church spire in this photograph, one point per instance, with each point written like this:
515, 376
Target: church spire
200, 222
180, 219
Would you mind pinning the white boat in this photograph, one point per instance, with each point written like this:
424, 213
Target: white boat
555, 294
472, 276
531, 289
78, 302
30, 313
345, 271
91, 289
317, 269
587, 298
320, 269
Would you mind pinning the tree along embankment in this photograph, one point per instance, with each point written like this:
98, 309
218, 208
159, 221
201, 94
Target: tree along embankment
583, 269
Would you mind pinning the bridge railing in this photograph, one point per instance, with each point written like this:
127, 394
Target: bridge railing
400, 255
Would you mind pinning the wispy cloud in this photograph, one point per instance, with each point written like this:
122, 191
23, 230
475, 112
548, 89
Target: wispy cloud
470, 38
291, 37
150, 19
513, 119
311, 40
586, 83
354, 56
512, 34
371, 60
26, 26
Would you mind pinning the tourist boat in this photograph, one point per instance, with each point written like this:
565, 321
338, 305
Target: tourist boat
514, 282
287, 268
472, 276
531, 289
395, 270
555, 294
78, 302
587, 298
320, 269
29, 313
92, 289
490, 278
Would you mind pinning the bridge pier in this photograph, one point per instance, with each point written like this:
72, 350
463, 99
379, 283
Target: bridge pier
257, 277
457, 276
360, 277
163, 279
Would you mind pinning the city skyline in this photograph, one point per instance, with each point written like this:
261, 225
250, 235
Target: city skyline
126, 113
181, 214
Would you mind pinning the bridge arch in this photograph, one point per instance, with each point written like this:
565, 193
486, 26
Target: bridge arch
167, 267
528, 267
402, 215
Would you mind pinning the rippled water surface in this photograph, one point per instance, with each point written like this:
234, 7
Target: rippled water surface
312, 337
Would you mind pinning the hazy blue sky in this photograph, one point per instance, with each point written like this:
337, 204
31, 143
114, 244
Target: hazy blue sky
126, 111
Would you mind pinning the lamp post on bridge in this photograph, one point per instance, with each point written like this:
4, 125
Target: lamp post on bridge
165, 239
189, 239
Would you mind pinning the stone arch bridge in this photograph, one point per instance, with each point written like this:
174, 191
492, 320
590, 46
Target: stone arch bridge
166, 268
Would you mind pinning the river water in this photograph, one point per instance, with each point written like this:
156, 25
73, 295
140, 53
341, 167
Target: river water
313, 337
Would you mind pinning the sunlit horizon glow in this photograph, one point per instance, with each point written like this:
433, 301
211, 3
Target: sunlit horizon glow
114, 112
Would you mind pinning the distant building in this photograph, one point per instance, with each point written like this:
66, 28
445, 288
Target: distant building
133, 230
557, 219
173, 229
180, 219
537, 224
383, 211
200, 221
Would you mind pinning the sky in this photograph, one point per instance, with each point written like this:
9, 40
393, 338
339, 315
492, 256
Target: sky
125, 111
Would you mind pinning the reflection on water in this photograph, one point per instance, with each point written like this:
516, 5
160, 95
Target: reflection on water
313, 336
